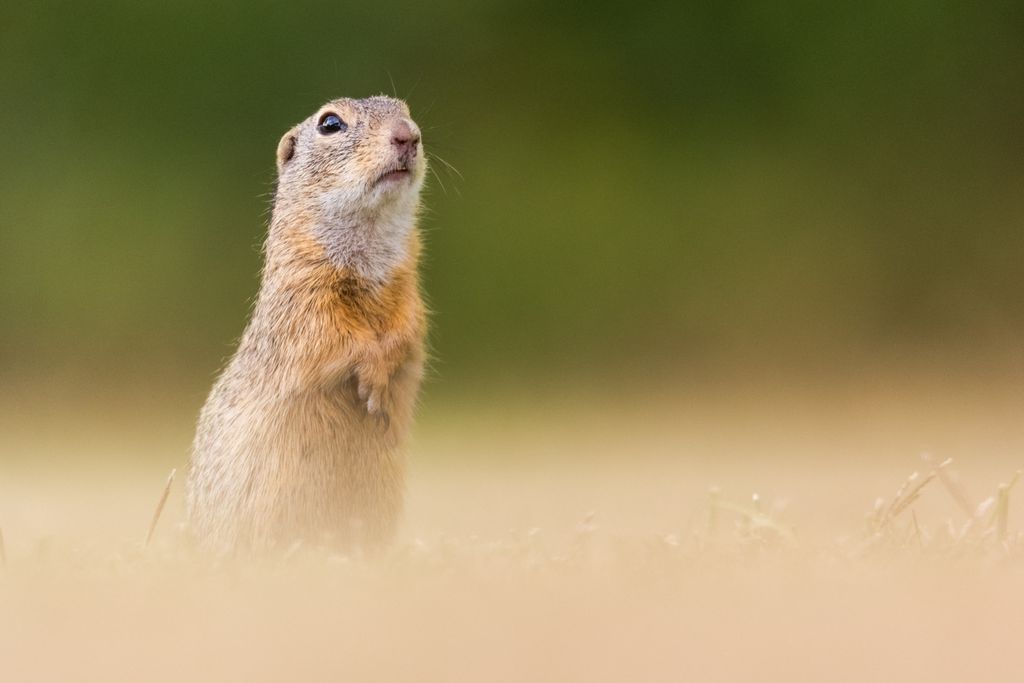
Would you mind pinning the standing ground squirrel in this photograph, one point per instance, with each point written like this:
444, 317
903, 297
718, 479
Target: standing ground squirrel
300, 437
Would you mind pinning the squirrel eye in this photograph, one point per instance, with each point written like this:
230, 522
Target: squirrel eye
331, 123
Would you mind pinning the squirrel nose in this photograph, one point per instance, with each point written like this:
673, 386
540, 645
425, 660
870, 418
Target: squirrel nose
404, 137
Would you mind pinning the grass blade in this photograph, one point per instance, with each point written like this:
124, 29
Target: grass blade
160, 507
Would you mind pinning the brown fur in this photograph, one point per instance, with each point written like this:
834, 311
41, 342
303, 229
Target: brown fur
301, 436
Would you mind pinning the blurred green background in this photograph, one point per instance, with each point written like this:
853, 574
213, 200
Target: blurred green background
648, 189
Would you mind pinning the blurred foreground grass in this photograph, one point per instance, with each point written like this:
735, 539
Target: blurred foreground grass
574, 540
734, 594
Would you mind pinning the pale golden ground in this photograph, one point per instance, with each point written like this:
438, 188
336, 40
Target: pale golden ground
567, 541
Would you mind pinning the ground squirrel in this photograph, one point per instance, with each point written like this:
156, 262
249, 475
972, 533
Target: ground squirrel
300, 437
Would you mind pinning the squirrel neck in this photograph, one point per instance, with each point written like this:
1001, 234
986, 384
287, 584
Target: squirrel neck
305, 283
367, 245
369, 242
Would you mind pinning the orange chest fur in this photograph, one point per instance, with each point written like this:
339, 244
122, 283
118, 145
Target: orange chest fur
351, 312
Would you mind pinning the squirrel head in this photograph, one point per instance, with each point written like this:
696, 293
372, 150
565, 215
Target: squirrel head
352, 172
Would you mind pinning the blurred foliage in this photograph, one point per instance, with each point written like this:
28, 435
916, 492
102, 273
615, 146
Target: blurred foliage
640, 185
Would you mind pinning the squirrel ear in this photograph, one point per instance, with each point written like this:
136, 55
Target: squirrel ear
285, 149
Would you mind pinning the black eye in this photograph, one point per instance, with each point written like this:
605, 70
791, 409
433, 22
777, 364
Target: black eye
331, 123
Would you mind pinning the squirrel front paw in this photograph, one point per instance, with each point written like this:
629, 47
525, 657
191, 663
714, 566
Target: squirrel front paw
375, 399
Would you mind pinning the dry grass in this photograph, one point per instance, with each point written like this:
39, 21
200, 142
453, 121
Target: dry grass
586, 548
160, 507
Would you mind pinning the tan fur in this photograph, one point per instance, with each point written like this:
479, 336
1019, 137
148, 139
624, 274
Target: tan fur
301, 436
